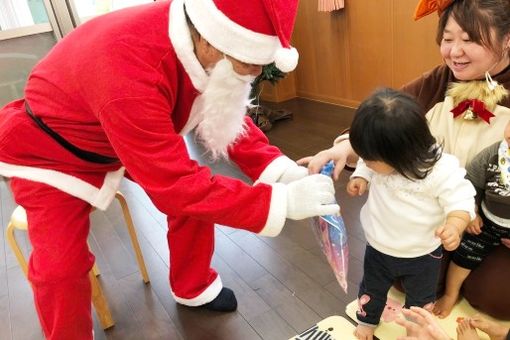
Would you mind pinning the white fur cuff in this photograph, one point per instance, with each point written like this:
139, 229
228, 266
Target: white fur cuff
277, 211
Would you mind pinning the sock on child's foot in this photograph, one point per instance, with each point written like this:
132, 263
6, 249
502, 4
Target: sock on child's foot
225, 301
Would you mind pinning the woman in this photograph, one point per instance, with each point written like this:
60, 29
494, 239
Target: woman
465, 108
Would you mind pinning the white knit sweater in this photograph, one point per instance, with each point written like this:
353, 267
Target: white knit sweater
401, 216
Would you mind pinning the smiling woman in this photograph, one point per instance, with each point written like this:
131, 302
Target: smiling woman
475, 48
474, 39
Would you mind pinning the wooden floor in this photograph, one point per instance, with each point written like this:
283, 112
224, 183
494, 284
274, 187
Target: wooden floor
283, 284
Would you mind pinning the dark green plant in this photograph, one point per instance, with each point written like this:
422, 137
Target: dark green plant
269, 73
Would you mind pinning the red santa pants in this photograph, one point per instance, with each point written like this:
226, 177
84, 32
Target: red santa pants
191, 244
60, 260
58, 226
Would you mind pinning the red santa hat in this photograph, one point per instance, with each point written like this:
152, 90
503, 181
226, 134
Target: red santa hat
254, 32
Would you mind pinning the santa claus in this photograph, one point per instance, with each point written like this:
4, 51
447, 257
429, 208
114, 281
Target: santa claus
115, 97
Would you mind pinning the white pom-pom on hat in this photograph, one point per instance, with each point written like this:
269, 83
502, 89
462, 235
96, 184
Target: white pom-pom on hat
286, 59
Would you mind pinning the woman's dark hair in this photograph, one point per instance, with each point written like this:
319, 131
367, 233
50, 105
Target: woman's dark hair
480, 19
390, 126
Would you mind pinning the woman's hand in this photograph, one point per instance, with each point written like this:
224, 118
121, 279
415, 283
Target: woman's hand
421, 325
475, 226
340, 153
357, 186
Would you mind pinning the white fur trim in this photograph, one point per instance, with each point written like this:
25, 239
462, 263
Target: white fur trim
99, 198
229, 37
286, 59
277, 211
195, 117
180, 36
209, 294
275, 170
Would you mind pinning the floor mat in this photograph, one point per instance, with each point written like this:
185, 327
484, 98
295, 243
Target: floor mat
389, 330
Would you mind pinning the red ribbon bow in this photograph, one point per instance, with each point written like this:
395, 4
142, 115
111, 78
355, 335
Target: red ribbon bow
477, 106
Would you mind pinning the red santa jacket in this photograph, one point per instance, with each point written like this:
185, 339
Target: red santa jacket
122, 85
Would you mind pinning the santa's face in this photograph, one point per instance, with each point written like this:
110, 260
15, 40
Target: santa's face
467, 59
209, 56
245, 69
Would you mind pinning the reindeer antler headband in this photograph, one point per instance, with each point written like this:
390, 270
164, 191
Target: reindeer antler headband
425, 7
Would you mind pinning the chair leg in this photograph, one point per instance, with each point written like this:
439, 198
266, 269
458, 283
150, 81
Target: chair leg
100, 304
132, 235
98, 299
16, 249
95, 270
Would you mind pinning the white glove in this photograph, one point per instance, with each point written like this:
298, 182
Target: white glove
293, 173
311, 196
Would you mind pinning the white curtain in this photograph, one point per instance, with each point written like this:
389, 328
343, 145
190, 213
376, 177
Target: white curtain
14, 13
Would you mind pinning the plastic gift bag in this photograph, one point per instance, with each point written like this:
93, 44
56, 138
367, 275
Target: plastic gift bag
332, 236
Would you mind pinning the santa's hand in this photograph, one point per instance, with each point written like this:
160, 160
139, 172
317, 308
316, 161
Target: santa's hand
311, 196
293, 173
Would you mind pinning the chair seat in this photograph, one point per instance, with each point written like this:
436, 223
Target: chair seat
19, 218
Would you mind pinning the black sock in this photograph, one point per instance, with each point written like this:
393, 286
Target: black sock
225, 301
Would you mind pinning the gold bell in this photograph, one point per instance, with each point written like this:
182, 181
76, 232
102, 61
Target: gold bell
469, 115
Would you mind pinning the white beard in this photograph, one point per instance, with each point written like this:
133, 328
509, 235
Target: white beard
222, 105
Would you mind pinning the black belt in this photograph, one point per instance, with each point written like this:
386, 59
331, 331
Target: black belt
82, 154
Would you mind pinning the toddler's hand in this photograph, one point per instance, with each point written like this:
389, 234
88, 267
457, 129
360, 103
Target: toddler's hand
475, 226
449, 236
357, 186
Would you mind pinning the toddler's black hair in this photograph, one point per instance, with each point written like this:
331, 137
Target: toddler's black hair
390, 126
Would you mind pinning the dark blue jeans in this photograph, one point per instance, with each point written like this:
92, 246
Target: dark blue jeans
419, 276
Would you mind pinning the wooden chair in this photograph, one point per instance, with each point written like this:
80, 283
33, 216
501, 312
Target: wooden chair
18, 221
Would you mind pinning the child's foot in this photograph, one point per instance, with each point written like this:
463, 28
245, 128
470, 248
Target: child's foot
466, 332
493, 329
363, 332
443, 307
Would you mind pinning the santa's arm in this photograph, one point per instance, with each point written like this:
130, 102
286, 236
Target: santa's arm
261, 161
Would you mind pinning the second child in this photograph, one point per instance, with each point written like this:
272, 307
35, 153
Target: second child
489, 172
